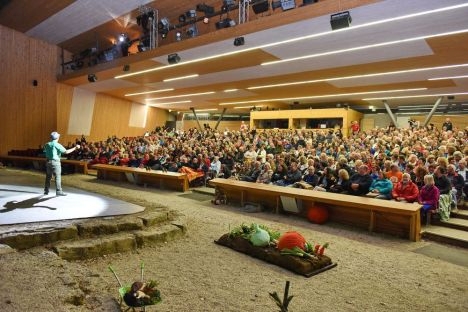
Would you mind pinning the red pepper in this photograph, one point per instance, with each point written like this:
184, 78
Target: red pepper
322, 249
316, 249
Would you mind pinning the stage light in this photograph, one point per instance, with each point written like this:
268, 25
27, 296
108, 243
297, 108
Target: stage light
191, 14
164, 33
284, 4
182, 18
92, 78
122, 37
306, 2
228, 5
225, 23
239, 41
178, 36
192, 31
173, 58
164, 23
208, 10
206, 20
340, 20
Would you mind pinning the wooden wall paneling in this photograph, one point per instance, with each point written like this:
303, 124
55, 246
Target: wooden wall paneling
29, 111
228, 124
156, 117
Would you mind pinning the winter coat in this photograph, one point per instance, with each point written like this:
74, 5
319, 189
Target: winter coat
409, 192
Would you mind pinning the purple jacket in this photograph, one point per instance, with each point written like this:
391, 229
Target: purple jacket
429, 195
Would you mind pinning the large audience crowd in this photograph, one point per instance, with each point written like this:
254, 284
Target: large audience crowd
415, 164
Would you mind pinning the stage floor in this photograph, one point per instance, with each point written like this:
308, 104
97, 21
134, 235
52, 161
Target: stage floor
25, 204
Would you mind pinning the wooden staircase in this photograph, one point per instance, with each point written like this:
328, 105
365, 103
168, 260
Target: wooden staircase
453, 232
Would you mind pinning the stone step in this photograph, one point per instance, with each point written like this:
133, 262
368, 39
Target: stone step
38, 236
93, 237
120, 242
96, 247
445, 235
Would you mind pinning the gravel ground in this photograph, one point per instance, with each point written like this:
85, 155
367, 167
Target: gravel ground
374, 272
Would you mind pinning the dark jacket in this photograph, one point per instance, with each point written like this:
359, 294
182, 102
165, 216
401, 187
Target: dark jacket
364, 182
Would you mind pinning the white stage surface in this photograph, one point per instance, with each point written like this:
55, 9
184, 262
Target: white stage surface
25, 204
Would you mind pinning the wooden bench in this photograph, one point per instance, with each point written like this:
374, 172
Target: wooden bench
396, 218
170, 180
39, 162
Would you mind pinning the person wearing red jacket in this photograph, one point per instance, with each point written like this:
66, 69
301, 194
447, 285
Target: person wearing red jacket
405, 190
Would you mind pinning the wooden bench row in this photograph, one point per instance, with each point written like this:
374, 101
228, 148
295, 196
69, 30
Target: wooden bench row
396, 218
163, 180
39, 162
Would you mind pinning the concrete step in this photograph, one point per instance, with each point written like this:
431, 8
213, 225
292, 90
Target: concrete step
460, 213
454, 223
445, 235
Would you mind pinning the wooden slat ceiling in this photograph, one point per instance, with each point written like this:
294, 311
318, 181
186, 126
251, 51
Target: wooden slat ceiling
244, 70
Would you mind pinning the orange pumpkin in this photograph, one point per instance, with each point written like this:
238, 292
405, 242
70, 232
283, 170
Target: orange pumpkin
317, 214
290, 240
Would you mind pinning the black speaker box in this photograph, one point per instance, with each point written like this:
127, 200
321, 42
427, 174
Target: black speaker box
260, 6
340, 20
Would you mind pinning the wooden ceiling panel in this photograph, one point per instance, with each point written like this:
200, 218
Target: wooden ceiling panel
22, 15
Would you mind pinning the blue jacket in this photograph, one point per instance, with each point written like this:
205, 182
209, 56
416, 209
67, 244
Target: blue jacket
384, 186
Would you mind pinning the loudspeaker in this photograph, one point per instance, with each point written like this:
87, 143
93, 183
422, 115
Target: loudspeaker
340, 20
92, 78
260, 6
239, 41
35, 83
173, 58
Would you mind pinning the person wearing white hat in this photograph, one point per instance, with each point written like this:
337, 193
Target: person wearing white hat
53, 150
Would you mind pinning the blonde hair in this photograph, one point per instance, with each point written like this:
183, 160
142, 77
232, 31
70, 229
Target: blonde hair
343, 174
429, 179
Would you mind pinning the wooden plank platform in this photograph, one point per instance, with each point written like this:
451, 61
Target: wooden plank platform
396, 218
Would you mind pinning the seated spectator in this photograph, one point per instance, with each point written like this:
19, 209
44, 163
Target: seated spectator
124, 160
381, 186
215, 167
265, 174
428, 196
293, 176
326, 180
463, 171
133, 161
225, 172
406, 190
456, 181
342, 184
253, 173
360, 182
394, 175
445, 199
311, 178
420, 173
279, 173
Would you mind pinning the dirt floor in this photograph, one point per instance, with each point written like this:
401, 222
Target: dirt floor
374, 272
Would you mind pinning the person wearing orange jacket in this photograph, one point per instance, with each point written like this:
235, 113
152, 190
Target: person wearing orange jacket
405, 190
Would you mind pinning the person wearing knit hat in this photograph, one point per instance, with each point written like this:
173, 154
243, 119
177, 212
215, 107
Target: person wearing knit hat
53, 150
